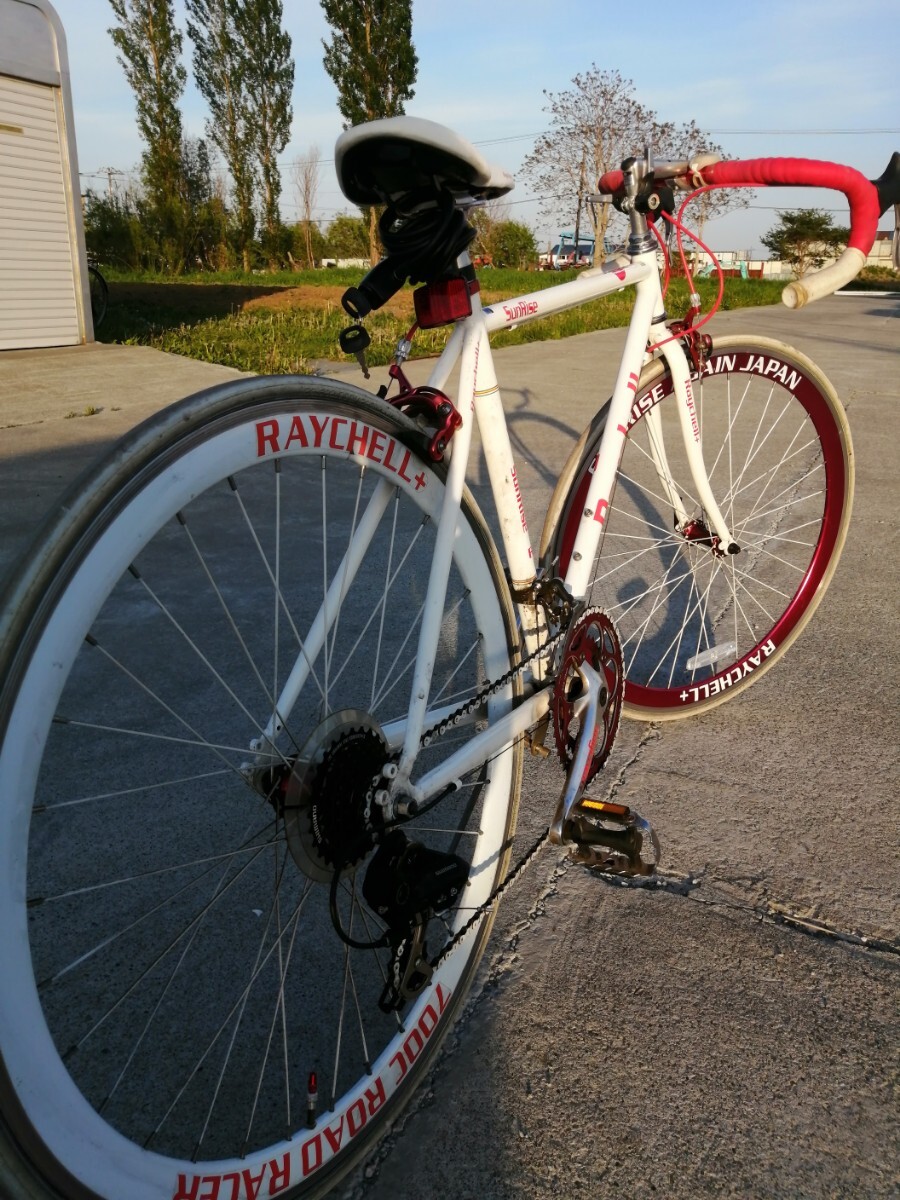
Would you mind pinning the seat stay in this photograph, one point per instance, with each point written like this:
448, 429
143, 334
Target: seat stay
454, 486
315, 641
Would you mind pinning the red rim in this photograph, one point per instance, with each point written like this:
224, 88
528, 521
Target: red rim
808, 394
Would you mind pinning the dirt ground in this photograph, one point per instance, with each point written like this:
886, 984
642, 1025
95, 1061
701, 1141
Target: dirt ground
221, 299
200, 300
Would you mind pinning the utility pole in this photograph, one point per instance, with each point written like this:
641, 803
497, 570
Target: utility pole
110, 172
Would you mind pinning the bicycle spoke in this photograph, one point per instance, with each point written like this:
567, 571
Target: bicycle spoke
279, 1010
83, 958
280, 600
196, 650
243, 1004
122, 793
229, 616
143, 875
238, 1005
161, 998
158, 700
199, 740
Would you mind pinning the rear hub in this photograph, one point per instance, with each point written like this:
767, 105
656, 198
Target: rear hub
331, 820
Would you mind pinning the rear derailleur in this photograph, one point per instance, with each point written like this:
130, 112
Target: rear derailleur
407, 884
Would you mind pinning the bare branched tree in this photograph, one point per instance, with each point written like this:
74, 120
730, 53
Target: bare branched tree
306, 183
594, 126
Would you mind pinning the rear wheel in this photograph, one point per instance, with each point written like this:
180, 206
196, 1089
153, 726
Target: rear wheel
187, 822
698, 624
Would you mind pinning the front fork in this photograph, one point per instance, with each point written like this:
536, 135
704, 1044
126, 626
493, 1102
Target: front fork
594, 515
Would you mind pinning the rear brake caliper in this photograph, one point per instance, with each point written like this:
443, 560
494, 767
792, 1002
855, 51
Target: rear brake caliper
429, 408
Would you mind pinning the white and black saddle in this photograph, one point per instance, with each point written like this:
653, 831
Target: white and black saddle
381, 161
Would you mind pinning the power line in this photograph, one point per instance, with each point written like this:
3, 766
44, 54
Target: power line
524, 137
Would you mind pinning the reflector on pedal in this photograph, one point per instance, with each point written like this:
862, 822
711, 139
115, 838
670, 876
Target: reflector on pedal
619, 812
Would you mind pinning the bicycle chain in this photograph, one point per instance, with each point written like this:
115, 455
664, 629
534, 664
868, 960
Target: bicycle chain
532, 852
488, 690
524, 862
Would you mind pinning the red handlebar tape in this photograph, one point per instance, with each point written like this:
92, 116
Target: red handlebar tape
793, 172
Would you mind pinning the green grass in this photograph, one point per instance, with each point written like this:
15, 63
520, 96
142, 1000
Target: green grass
876, 279
279, 340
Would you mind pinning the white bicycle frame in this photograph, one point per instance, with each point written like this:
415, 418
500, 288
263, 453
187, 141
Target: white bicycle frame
478, 401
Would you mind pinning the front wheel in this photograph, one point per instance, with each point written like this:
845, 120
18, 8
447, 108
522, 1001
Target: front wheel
699, 624
203, 669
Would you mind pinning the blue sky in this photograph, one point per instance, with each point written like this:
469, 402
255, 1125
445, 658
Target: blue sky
764, 78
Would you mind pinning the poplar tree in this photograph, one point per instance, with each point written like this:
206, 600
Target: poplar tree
149, 46
269, 80
220, 71
372, 61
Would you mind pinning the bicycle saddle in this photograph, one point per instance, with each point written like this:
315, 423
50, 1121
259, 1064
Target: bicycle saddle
382, 160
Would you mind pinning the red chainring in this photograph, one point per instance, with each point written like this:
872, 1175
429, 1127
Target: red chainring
593, 640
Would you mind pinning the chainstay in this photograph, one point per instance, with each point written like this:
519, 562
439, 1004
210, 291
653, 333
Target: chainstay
532, 852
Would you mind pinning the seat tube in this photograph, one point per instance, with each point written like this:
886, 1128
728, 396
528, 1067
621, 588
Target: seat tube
433, 612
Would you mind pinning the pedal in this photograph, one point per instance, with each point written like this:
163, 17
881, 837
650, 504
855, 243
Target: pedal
612, 838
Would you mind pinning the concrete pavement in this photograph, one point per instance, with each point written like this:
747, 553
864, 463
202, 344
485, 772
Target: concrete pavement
626, 1042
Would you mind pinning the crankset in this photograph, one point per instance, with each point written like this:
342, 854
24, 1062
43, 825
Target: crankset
586, 706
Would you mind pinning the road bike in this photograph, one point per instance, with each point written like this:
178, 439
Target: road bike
268, 682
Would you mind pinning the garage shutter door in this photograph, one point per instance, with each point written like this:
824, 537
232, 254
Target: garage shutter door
37, 285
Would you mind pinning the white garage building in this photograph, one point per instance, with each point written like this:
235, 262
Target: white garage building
44, 296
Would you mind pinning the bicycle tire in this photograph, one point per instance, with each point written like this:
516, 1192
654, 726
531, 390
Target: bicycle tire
99, 290
699, 626
104, 1015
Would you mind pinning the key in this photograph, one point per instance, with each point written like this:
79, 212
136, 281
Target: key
355, 340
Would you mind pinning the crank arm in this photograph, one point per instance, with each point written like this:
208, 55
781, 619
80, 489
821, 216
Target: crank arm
587, 709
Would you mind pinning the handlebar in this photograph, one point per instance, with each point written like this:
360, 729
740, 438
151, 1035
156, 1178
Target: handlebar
867, 201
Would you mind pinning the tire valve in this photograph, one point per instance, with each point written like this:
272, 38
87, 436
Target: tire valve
312, 1097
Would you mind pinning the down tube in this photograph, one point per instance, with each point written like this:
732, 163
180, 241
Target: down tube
648, 302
